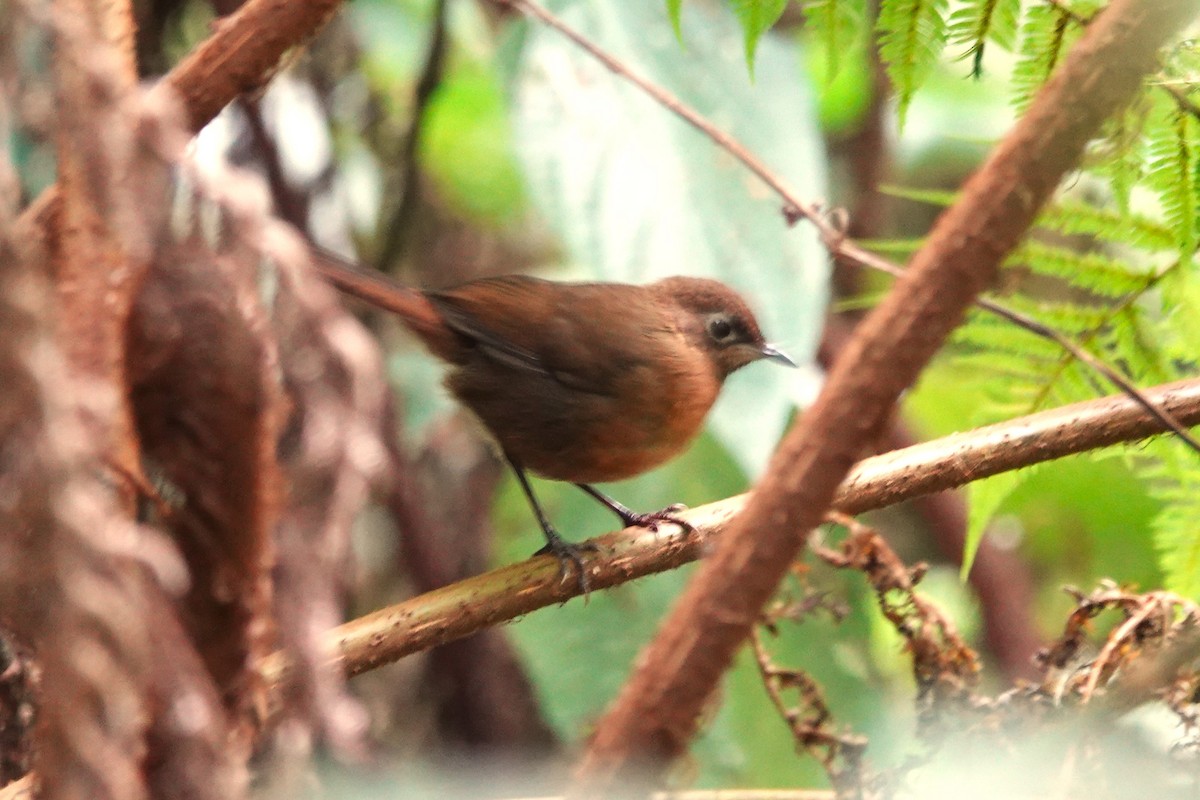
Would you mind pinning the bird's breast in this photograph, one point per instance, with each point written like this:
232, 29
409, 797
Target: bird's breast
644, 437
656, 413
559, 432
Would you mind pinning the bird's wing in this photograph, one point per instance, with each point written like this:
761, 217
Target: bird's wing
583, 336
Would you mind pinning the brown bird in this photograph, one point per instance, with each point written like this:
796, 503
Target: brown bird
579, 382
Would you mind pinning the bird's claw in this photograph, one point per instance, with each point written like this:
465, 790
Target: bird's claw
651, 520
569, 554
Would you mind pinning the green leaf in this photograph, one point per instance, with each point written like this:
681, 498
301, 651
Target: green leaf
675, 12
934, 197
634, 193
1119, 155
911, 36
1182, 310
977, 22
984, 499
467, 147
1045, 37
1176, 480
756, 17
1113, 225
1094, 272
1174, 172
838, 27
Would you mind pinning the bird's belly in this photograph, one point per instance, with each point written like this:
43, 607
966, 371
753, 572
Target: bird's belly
588, 438
602, 451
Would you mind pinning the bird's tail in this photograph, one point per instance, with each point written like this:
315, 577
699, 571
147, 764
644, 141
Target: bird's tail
377, 289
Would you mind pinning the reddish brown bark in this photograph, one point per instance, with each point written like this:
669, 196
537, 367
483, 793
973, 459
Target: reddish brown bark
209, 409
658, 710
240, 56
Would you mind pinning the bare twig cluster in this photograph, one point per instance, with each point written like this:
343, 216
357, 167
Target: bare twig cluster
809, 721
944, 667
1149, 655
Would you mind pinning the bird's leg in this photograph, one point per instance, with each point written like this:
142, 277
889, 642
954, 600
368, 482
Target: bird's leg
633, 519
566, 552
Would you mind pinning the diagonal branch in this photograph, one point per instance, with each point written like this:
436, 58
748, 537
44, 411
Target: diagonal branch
499, 596
657, 712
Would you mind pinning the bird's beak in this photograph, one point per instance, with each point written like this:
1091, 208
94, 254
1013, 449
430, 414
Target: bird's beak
772, 353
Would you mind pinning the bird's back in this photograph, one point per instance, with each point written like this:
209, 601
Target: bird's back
578, 382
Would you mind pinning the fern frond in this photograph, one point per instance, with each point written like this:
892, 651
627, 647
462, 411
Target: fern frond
1180, 338
757, 17
893, 247
1111, 225
1068, 318
977, 22
984, 499
934, 197
1093, 272
1118, 156
675, 14
1173, 171
1010, 365
911, 36
1172, 473
994, 335
1046, 34
838, 25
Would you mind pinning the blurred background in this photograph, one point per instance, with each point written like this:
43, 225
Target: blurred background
443, 140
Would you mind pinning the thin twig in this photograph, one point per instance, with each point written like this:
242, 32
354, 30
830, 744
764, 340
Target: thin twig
830, 226
1123, 639
1181, 99
1068, 12
290, 205
812, 732
399, 225
1113, 376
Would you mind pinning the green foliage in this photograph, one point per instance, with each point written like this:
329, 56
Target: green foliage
843, 97
675, 13
911, 36
757, 17
1172, 473
1173, 169
977, 22
1046, 35
838, 28
984, 499
1111, 226
467, 145
1111, 265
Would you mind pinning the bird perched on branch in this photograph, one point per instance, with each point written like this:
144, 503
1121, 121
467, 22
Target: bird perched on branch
579, 382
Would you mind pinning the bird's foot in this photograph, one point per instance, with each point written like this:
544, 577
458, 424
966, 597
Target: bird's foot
651, 520
568, 555
632, 519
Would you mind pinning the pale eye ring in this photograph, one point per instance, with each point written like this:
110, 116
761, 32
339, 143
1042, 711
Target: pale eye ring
719, 329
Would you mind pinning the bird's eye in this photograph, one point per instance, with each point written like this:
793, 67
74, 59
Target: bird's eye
720, 329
